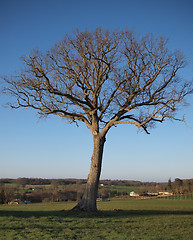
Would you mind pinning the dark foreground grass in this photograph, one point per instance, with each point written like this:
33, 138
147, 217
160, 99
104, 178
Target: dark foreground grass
118, 219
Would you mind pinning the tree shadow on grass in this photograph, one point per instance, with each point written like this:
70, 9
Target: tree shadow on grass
100, 214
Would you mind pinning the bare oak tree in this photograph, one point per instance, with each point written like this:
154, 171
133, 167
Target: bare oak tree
102, 79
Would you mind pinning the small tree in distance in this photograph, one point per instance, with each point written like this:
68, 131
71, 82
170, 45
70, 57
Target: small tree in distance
102, 78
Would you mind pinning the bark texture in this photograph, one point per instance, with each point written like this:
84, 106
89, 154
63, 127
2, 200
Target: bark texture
88, 201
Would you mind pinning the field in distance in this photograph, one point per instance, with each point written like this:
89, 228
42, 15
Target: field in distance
116, 219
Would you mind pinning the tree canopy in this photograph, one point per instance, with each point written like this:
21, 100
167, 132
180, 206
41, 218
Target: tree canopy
118, 76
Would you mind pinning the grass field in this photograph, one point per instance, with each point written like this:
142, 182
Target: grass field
127, 189
116, 219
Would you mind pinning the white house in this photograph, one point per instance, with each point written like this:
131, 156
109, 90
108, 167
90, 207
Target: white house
133, 194
165, 193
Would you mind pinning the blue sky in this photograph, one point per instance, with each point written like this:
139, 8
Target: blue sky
30, 147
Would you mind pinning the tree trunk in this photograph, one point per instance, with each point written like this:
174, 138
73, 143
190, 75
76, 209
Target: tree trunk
88, 201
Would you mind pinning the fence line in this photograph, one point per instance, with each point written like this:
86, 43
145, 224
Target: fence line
179, 197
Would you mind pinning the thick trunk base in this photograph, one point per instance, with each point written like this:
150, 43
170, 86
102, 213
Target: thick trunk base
88, 202
84, 207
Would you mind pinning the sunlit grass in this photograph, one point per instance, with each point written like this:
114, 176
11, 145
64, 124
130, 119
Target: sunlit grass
116, 219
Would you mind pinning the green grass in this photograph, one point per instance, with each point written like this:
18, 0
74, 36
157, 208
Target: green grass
127, 189
117, 219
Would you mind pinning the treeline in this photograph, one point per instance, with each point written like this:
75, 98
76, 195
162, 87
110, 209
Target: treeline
55, 193
128, 183
178, 186
57, 190
44, 193
42, 181
60, 190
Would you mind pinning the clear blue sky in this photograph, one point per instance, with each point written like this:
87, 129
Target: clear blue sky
49, 148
